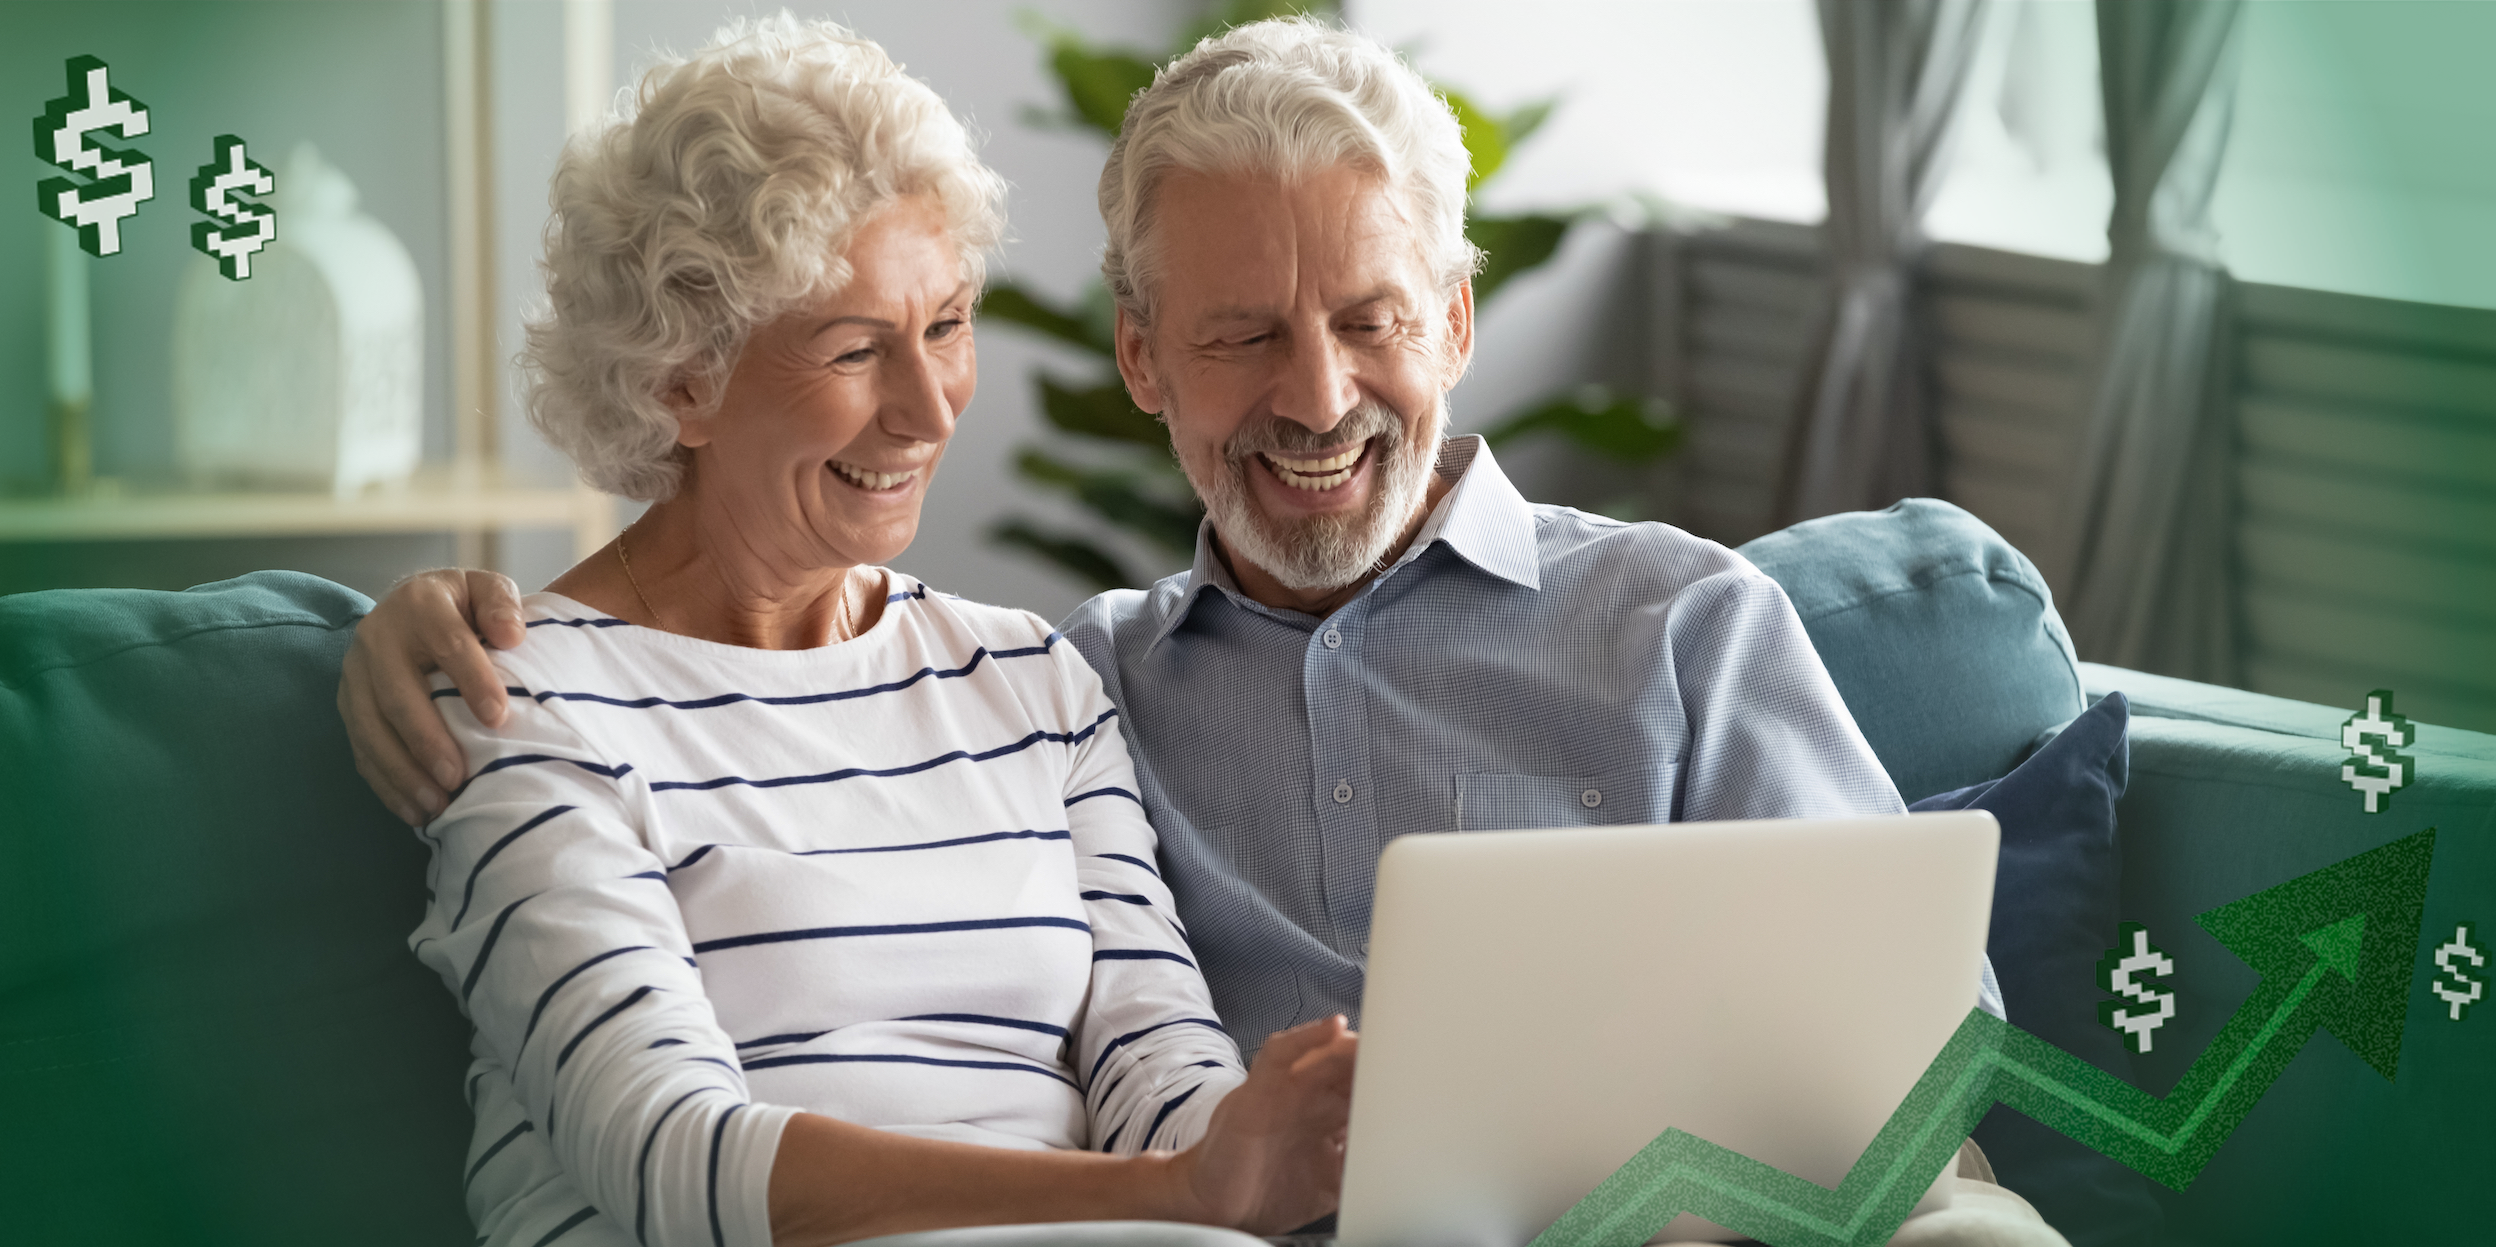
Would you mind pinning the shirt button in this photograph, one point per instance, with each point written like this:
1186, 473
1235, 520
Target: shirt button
1343, 792
1333, 639
1590, 798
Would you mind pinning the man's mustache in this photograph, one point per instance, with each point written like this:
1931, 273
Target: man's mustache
1274, 434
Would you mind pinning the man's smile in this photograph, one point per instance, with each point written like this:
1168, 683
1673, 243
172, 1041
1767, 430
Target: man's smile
1316, 474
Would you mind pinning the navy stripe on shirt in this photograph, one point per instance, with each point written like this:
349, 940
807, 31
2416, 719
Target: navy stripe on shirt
895, 1058
547, 997
494, 934
568, 1224
1075, 737
1133, 1035
641, 1168
492, 1152
618, 771
1131, 861
979, 655
888, 928
1167, 1107
956, 842
718, 1134
601, 1020
1140, 954
523, 829
1105, 792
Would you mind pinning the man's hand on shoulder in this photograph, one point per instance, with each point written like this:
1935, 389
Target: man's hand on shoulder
439, 620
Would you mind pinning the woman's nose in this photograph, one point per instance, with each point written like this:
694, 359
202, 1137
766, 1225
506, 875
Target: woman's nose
918, 407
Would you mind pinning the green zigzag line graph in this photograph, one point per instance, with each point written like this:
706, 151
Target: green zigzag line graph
2335, 950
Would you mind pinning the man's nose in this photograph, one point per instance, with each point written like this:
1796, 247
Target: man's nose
1317, 390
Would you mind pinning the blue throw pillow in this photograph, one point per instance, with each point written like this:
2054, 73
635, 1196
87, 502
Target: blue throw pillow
2056, 896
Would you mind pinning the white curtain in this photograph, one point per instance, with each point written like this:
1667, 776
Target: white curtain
1860, 437
2143, 570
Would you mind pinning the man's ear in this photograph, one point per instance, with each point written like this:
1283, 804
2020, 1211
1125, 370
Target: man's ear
1135, 364
691, 399
1459, 332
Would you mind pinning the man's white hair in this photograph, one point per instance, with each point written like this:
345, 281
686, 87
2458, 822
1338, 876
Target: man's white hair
1284, 98
721, 200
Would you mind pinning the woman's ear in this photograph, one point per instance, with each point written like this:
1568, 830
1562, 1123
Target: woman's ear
690, 397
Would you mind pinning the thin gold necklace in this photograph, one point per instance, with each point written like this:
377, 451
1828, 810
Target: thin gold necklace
841, 624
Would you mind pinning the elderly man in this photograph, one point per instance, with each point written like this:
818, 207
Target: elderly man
1379, 636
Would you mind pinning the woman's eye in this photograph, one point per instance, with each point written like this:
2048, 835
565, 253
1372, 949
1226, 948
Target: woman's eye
859, 356
944, 329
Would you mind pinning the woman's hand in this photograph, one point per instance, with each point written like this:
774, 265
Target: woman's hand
1271, 1160
431, 622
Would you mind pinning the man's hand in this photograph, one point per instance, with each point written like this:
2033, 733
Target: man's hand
1271, 1160
431, 622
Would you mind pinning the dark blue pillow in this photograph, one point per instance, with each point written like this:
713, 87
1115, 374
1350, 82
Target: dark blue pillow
2056, 895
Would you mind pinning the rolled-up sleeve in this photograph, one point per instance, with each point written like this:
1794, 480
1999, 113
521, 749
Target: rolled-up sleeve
552, 924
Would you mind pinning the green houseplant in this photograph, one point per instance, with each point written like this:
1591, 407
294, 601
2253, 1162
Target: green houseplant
1113, 459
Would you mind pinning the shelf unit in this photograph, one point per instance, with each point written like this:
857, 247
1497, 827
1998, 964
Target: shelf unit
465, 497
435, 501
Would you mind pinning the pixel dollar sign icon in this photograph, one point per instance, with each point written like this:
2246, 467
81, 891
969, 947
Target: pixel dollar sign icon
248, 226
2377, 770
2134, 955
2464, 990
123, 179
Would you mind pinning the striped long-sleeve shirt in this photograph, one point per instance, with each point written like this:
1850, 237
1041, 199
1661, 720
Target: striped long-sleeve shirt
692, 889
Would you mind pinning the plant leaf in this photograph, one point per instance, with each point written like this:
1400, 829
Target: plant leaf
1015, 305
1620, 427
1072, 555
1102, 411
1241, 12
1123, 498
1521, 124
1511, 245
1099, 82
1486, 141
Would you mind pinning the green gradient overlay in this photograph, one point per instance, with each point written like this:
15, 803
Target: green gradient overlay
2335, 950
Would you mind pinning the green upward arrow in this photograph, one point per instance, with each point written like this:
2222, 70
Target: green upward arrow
2334, 949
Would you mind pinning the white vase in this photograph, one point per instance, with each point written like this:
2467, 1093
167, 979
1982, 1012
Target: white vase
308, 374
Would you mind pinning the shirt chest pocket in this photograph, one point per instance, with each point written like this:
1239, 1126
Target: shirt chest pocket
1498, 801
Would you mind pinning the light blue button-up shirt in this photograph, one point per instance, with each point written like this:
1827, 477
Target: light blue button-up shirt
1518, 666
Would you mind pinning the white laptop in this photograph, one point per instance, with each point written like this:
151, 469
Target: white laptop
1542, 1004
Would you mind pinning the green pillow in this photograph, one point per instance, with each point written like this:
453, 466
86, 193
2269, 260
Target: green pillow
210, 1026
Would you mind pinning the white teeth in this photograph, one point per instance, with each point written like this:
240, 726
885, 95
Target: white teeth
1316, 467
865, 479
1315, 475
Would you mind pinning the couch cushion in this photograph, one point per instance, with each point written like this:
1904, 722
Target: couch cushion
1942, 638
2056, 904
2222, 806
210, 1025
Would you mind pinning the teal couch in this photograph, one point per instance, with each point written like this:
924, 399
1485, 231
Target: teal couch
211, 1031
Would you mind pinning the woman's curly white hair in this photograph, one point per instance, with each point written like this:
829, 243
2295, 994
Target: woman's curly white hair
723, 200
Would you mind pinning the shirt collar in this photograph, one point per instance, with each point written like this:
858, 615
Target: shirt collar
1482, 518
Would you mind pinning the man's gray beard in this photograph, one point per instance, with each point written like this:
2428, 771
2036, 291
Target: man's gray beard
1321, 551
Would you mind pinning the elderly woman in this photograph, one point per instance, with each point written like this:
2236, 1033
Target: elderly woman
796, 903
